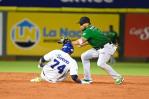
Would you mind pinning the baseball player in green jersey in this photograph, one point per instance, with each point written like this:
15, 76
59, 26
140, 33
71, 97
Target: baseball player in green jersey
102, 49
112, 35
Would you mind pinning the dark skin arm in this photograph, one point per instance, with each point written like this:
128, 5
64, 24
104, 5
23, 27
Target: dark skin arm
75, 78
42, 62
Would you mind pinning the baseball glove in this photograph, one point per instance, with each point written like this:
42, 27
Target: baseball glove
64, 40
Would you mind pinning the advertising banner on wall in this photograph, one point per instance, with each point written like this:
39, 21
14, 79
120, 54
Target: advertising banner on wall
137, 35
1, 41
77, 3
38, 33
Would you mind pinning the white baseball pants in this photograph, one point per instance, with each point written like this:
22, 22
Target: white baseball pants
103, 56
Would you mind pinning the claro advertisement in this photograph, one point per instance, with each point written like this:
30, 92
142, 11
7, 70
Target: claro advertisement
1, 34
137, 35
38, 33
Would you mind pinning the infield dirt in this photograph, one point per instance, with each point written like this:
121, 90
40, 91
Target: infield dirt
18, 86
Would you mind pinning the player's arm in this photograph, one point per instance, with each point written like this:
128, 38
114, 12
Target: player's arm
75, 78
74, 73
45, 58
81, 42
85, 43
41, 62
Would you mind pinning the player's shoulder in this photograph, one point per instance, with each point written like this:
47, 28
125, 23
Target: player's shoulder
55, 51
91, 28
73, 60
62, 53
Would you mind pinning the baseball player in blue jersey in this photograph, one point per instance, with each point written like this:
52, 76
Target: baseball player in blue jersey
56, 65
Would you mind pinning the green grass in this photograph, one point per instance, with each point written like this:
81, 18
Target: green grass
141, 69
135, 69
18, 66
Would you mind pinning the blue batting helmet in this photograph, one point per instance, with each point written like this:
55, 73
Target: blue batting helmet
68, 48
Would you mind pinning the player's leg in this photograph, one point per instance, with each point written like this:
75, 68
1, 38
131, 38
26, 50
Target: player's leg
104, 56
37, 79
49, 76
42, 77
85, 57
112, 59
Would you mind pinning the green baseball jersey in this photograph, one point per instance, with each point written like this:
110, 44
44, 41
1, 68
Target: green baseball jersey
95, 37
112, 36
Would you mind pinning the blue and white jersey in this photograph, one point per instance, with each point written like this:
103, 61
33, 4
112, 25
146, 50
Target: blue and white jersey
60, 63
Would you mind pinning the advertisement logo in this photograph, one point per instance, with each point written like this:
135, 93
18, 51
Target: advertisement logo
142, 33
136, 36
25, 34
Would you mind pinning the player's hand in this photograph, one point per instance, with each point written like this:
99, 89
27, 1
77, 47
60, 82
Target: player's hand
41, 65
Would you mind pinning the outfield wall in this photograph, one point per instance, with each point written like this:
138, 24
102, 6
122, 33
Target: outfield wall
1, 34
39, 29
136, 35
42, 30
77, 3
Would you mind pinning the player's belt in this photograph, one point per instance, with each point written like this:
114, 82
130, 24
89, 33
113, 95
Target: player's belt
97, 48
102, 46
110, 42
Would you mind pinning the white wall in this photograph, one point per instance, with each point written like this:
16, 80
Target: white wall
1, 27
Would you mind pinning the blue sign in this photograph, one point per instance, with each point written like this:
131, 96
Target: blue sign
77, 3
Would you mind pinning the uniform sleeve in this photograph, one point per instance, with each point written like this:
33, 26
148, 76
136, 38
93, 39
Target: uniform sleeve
74, 68
49, 55
86, 34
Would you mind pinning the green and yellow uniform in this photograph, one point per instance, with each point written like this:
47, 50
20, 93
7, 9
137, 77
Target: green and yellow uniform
95, 37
